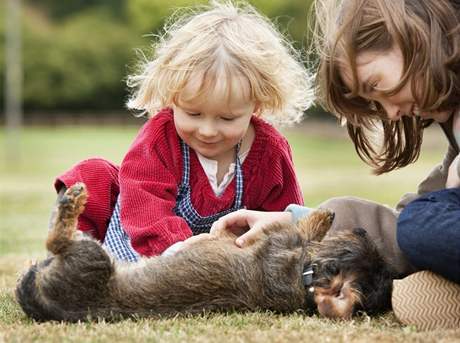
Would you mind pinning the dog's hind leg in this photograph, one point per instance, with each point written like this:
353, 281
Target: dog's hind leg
63, 227
74, 282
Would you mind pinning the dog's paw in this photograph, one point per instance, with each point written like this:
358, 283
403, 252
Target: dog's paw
70, 206
74, 200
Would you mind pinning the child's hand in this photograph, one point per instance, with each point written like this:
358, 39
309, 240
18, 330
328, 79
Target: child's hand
176, 247
197, 238
248, 224
453, 179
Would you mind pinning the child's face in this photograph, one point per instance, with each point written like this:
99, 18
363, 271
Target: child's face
213, 124
382, 71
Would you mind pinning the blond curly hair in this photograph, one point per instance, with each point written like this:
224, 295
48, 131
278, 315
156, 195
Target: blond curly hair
230, 39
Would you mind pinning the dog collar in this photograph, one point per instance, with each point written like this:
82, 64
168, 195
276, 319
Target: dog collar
307, 275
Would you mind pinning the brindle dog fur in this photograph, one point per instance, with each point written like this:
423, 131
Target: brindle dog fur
79, 281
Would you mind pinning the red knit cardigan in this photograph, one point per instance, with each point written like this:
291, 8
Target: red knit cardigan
150, 175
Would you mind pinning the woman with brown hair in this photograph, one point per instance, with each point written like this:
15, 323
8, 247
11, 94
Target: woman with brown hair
388, 69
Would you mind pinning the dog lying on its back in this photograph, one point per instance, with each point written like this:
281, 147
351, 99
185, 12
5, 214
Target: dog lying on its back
80, 281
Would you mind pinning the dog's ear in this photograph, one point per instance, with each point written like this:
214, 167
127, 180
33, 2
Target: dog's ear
315, 226
361, 235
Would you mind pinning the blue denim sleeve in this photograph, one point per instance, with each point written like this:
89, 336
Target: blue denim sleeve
298, 212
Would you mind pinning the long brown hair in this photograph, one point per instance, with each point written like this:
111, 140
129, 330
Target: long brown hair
427, 33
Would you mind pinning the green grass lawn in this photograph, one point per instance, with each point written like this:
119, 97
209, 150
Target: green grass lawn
327, 166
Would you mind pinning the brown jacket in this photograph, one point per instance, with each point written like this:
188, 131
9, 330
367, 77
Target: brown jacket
379, 220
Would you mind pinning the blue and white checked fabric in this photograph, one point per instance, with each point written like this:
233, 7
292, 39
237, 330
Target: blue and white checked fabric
117, 242
184, 207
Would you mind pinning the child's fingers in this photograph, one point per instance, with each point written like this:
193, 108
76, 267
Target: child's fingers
249, 237
235, 221
197, 238
257, 221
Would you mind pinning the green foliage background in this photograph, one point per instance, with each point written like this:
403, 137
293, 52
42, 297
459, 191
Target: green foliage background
77, 53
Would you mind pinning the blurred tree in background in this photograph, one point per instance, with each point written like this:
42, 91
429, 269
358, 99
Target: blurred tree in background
78, 63
77, 53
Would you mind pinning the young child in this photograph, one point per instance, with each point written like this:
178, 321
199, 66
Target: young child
390, 68
216, 76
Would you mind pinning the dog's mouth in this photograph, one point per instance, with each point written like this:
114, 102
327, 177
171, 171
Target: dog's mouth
332, 293
338, 297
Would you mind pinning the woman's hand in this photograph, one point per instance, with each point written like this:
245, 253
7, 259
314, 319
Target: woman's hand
453, 179
248, 224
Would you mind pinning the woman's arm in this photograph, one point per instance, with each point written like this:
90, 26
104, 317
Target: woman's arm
453, 177
435, 181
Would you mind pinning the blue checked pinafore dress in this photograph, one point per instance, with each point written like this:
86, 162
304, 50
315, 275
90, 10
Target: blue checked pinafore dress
117, 242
